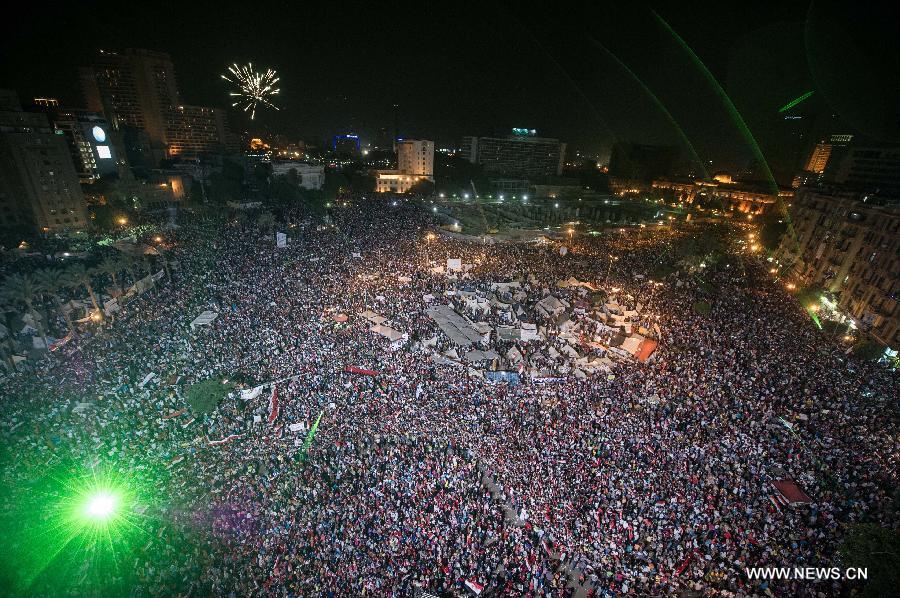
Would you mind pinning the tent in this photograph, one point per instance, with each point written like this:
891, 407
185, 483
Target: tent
792, 492
204, 319
454, 325
373, 317
386, 331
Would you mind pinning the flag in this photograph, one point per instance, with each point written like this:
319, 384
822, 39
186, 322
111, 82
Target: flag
474, 586
228, 438
174, 461
309, 437
352, 369
175, 414
273, 404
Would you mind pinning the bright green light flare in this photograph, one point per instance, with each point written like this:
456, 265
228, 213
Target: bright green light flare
101, 506
794, 102
84, 525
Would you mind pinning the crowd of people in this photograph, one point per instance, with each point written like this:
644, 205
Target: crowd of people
421, 477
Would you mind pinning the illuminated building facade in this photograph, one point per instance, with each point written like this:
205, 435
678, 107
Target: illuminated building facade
89, 136
193, 131
746, 198
415, 157
849, 243
39, 187
415, 162
137, 91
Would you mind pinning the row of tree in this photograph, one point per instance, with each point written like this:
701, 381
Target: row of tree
33, 290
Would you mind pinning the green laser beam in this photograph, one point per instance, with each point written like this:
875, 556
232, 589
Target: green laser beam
795, 101
726, 100
741, 125
684, 139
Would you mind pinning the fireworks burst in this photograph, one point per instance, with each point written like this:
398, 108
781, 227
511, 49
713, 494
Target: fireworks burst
254, 88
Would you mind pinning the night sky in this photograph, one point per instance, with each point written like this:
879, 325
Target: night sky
459, 68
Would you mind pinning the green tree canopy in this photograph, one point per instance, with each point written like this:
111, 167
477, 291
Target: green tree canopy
876, 549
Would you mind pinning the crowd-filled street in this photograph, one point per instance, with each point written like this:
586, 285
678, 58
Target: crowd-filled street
426, 473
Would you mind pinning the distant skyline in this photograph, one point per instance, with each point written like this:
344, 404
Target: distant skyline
475, 69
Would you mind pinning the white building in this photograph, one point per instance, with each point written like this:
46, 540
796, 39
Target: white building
415, 162
312, 176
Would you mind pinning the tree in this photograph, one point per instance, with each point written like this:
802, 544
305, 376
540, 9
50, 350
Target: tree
78, 275
129, 262
868, 350
23, 289
227, 185
51, 281
265, 221
6, 345
164, 258
702, 308
772, 229
283, 189
876, 549
423, 187
111, 267
204, 396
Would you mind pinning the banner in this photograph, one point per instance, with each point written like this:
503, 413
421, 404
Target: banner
273, 404
251, 393
175, 414
352, 369
281, 240
223, 440
454, 264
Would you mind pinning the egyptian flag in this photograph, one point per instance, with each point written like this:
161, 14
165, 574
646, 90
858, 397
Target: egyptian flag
273, 404
475, 587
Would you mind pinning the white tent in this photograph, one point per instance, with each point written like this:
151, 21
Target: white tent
386, 331
204, 319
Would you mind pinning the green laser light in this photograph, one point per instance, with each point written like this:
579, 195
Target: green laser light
101, 506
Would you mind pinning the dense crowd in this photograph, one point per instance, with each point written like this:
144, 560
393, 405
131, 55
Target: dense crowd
651, 479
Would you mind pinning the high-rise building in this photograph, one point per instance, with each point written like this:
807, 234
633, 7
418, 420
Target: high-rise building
39, 186
192, 131
89, 136
415, 163
871, 168
133, 88
138, 93
521, 154
818, 159
346, 145
847, 242
416, 157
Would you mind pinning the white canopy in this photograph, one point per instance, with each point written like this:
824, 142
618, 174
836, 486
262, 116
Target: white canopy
204, 319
